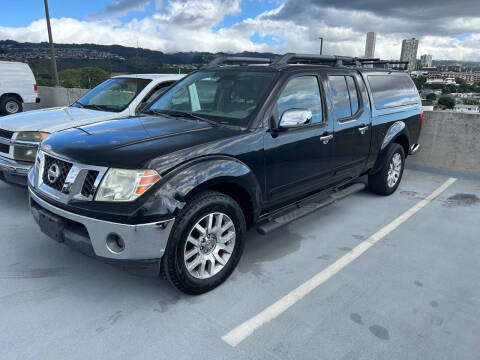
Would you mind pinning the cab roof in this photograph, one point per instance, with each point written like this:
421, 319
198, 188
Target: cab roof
153, 76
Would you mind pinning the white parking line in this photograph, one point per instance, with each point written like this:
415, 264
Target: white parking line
242, 331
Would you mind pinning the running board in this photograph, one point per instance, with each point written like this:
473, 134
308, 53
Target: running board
303, 209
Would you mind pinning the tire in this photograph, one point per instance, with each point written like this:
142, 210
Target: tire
10, 105
380, 183
205, 210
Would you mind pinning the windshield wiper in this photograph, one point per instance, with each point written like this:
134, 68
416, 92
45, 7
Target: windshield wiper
79, 103
193, 116
95, 107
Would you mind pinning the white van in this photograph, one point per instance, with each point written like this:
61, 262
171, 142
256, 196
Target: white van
17, 87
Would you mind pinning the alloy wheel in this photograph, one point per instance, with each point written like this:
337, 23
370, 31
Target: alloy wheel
209, 245
394, 171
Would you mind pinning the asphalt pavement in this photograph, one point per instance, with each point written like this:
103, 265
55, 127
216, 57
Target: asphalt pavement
414, 294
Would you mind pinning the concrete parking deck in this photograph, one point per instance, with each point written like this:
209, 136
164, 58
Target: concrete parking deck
413, 295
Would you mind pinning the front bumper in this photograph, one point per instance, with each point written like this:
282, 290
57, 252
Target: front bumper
140, 242
14, 172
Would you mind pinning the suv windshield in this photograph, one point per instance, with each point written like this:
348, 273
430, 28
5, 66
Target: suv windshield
226, 97
112, 95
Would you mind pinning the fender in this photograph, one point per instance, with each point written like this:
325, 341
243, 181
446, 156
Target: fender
395, 131
180, 184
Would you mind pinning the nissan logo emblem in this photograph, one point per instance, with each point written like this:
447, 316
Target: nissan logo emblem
53, 173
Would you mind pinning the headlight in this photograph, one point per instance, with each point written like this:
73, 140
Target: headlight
125, 185
36, 136
23, 153
27, 153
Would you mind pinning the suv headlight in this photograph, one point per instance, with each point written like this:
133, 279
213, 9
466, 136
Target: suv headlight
36, 136
27, 153
125, 185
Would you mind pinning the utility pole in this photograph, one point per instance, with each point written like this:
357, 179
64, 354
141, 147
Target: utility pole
52, 48
321, 45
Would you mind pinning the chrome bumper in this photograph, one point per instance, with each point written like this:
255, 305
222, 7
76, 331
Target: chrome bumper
414, 149
141, 242
13, 167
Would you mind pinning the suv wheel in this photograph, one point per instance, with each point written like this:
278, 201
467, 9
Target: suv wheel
387, 179
206, 243
10, 105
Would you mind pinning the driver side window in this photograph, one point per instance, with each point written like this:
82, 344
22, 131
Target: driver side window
302, 93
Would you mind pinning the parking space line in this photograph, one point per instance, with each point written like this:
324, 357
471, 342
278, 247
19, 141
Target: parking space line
244, 330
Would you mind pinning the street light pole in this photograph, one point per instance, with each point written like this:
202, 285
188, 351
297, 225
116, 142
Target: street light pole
52, 48
321, 45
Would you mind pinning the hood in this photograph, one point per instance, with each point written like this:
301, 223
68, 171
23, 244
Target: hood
54, 119
131, 142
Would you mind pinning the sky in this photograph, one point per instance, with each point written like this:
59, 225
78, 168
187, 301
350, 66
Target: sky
447, 29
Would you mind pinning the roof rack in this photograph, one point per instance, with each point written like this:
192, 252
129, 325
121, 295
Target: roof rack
332, 60
239, 60
293, 58
389, 63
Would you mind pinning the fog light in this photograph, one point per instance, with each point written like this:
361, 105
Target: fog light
115, 243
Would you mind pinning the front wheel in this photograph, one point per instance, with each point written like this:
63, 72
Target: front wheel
206, 243
387, 179
10, 105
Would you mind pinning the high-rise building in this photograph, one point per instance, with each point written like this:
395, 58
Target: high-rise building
370, 45
409, 53
426, 61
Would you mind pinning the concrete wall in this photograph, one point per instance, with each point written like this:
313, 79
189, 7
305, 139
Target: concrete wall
450, 140
56, 96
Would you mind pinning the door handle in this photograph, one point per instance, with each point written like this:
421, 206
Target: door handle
363, 129
325, 139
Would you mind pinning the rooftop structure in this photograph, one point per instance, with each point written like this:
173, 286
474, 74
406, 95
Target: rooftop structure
409, 52
370, 45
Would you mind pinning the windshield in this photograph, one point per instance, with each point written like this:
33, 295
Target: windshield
226, 97
112, 95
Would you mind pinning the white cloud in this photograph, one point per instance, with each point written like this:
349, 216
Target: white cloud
181, 25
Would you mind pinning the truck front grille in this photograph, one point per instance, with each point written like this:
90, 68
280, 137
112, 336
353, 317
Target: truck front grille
66, 180
88, 186
4, 148
58, 174
6, 134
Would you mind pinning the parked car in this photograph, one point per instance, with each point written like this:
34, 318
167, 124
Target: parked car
225, 149
118, 97
17, 87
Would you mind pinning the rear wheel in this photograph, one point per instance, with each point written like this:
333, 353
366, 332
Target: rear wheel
206, 243
387, 179
10, 105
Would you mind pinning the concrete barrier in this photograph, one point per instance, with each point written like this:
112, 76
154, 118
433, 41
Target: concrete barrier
56, 96
450, 141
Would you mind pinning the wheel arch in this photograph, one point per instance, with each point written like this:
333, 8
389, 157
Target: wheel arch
224, 174
15, 95
397, 133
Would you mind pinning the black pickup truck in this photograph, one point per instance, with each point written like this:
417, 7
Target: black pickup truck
240, 143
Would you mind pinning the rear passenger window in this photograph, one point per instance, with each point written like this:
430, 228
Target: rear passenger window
392, 90
302, 93
341, 100
352, 90
345, 96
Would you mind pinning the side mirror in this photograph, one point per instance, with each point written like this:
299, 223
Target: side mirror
294, 118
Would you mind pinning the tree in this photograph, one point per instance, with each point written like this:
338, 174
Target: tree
431, 97
419, 81
460, 81
447, 101
84, 78
471, 102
